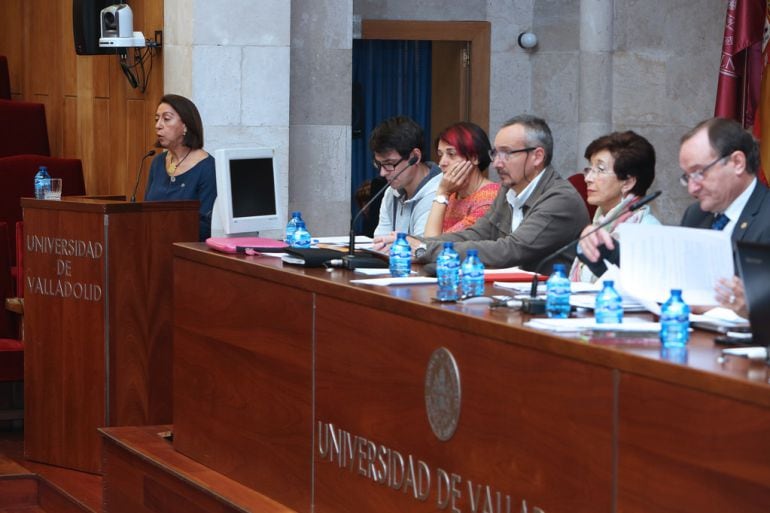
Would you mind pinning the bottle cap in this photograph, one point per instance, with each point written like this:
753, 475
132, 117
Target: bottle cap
609, 283
448, 244
559, 267
472, 252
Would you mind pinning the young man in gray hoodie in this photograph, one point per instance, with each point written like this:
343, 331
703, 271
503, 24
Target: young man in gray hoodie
397, 145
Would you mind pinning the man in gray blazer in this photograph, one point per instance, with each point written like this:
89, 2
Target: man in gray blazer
535, 213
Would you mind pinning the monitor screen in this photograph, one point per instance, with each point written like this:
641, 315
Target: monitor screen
252, 186
754, 268
248, 192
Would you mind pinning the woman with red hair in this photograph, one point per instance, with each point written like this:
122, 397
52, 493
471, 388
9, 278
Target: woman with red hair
464, 193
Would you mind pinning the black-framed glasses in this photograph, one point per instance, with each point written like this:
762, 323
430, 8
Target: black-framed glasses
386, 165
698, 176
506, 154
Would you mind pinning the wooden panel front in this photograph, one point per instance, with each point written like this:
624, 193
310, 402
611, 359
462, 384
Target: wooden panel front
683, 450
141, 312
243, 379
534, 428
98, 310
64, 334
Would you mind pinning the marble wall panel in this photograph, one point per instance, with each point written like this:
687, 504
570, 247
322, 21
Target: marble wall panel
319, 177
217, 83
242, 22
265, 83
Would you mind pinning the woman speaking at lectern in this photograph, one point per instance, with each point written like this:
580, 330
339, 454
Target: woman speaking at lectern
184, 171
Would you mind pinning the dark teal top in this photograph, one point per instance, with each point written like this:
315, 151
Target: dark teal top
198, 183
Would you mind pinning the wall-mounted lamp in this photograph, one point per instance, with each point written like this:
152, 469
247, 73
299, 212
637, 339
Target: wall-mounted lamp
527, 40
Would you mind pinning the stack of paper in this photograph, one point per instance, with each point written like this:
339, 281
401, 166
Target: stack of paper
631, 325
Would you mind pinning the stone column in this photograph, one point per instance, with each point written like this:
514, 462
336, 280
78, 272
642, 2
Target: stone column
321, 84
595, 86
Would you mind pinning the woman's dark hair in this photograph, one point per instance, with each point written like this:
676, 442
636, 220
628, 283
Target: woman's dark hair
399, 133
470, 141
189, 115
634, 157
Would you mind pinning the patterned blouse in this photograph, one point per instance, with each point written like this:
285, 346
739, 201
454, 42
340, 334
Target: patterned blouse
580, 271
462, 213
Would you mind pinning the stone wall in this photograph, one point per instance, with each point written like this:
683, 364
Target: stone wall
232, 58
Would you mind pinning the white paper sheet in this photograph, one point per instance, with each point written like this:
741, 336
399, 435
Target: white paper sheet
411, 280
525, 287
632, 325
343, 240
655, 259
371, 271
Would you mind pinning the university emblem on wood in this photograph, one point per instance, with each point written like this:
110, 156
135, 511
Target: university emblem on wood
442, 394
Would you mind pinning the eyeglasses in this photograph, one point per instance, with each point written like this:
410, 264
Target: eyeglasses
598, 170
386, 165
698, 176
506, 154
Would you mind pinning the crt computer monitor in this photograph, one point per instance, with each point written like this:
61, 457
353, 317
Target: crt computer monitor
247, 192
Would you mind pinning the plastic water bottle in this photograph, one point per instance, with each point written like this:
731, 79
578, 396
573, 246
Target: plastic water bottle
400, 257
301, 237
674, 321
42, 182
472, 276
291, 226
448, 273
609, 305
557, 293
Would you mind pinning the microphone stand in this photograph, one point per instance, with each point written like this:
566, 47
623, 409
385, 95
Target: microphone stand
349, 260
139, 174
534, 305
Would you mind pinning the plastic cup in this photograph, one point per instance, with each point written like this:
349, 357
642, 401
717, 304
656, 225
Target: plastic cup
53, 192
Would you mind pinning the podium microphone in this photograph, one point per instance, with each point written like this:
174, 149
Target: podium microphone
139, 173
351, 261
533, 305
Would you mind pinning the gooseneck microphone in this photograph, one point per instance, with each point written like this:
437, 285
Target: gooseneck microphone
139, 173
532, 304
351, 261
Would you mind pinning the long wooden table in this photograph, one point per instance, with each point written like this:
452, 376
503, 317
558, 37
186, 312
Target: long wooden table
313, 391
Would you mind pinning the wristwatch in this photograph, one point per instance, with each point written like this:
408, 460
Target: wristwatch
441, 199
420, 251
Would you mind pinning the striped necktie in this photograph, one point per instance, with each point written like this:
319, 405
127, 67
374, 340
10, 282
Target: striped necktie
720, 222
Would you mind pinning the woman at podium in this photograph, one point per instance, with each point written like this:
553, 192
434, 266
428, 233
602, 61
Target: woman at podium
184, 171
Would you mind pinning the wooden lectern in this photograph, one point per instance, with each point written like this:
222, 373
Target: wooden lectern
98, 320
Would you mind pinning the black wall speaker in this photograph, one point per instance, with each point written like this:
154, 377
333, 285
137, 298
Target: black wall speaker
86, 21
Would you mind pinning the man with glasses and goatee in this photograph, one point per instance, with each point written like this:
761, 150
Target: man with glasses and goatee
535, 212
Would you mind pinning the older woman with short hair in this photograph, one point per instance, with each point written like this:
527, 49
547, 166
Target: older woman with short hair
622, 168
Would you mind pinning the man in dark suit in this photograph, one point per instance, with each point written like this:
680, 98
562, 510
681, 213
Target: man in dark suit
720, 161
